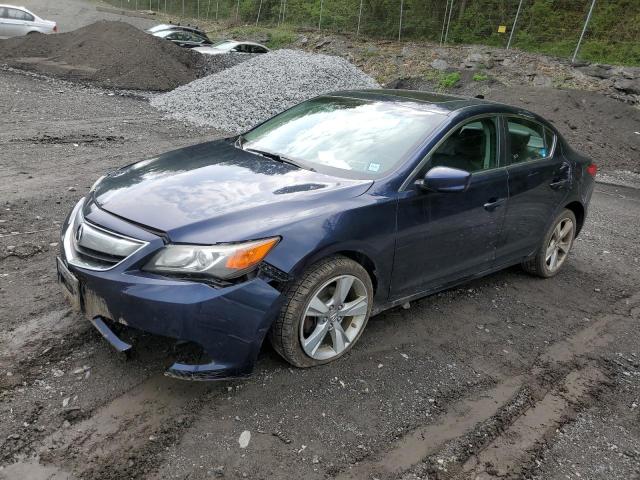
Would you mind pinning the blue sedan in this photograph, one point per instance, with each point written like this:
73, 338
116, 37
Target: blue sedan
307, 225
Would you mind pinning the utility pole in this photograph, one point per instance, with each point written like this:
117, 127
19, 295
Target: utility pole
359, 18
259, 10
444, 21
513, 28
400, 27
446, 34
584, 29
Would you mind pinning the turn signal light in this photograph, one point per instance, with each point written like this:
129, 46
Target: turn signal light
592, 169
254, 253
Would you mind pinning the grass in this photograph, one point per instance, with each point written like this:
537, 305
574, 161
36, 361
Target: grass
449, 80
277, 37
480, 77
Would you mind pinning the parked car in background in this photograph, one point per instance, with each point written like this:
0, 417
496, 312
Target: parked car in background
182, 35
232, 46
302, 228
17, 21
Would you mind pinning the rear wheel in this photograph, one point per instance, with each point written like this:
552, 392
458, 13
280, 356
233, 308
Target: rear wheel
555, 247
325, 313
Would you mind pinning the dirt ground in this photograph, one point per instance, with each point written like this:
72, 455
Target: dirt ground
508, 376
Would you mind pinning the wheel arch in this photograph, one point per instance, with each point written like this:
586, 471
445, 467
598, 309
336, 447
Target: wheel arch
578, 210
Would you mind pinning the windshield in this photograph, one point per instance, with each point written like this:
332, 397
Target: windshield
347, 137
224, 45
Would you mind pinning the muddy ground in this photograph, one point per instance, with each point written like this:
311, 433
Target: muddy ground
508, 376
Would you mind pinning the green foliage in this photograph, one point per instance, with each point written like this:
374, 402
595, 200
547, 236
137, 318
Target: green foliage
480, 77
450, 79
547, 26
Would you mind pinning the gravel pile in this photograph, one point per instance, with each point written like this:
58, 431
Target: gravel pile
235, 99
107, 54
211, 64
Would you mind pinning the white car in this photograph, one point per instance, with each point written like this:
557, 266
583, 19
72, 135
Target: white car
231, 46
17, 21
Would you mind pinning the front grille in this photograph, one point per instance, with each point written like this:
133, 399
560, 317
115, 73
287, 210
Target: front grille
92, 247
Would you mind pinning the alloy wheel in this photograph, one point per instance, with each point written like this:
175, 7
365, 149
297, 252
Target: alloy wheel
559, 244
334, 317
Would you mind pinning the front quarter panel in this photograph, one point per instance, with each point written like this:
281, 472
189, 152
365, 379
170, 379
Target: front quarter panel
365, 226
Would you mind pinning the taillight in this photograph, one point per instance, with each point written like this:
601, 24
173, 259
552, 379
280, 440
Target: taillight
592, 169
55, 29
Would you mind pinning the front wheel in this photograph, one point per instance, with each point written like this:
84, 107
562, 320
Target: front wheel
325, 313
555, 247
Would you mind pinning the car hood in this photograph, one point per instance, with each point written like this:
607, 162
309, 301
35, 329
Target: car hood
215, 185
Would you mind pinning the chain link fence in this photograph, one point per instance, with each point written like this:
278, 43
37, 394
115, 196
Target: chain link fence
611, 31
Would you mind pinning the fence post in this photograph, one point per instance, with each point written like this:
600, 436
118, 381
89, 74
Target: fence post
284, 10
444, 22
446, 34
217, 7
513, 28
584, 29
320, 21
400, 27
237, 9
359, 18
259, 10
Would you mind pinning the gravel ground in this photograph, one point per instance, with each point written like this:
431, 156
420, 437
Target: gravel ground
247, 94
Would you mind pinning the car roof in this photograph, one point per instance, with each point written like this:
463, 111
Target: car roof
446, 104
169, 26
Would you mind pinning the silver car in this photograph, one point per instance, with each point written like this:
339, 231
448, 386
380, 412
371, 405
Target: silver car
16, 21
231, 46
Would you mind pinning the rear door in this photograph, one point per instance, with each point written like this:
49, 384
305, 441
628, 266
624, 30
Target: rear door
445, 237
539, 180
19, 21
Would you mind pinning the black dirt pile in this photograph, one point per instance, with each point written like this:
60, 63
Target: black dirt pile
106, 54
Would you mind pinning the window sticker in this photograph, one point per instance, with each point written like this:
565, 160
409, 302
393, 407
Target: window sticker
374, 167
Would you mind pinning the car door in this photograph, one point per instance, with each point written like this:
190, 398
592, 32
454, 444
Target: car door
444, 237
22, 21
10, 26
539, 180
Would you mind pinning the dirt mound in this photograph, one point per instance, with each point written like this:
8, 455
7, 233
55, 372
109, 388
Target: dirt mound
107, 54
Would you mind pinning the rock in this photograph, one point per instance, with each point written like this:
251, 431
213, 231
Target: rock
304, 40
439, 64
245, 438
218, 471
323, 43
542, 81
315, 459
597, 70
72, 413
627, 85
71, 189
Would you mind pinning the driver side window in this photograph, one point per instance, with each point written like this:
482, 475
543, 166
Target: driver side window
472, 147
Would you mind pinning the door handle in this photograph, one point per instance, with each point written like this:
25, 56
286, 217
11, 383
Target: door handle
557, 184
493, 203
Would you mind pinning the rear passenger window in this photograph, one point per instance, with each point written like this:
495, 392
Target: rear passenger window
528, 140
472, 147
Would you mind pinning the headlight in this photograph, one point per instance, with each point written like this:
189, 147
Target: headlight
220, 261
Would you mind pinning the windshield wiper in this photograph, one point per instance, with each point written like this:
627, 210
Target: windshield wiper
279, 158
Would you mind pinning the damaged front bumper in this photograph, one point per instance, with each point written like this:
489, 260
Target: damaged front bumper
228, 322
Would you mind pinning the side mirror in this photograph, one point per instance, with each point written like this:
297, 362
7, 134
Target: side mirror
446, 179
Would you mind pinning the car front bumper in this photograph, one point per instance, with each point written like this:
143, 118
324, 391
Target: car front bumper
229, 323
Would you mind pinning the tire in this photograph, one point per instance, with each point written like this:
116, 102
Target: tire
291, 335
541, 264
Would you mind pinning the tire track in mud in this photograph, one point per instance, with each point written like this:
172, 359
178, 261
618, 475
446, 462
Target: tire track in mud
120, 439
494, 434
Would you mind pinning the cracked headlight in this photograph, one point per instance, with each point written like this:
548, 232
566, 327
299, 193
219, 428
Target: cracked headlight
219, 261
